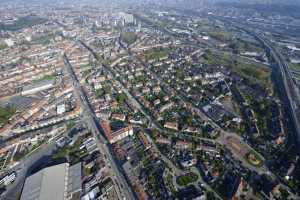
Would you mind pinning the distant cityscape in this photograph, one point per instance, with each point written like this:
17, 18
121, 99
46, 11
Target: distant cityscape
149, 100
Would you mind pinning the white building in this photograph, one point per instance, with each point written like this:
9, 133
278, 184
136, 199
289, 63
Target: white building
8, 179
60, 109
9, 42
127, 18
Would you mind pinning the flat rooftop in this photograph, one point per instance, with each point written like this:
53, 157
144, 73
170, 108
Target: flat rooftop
47, 184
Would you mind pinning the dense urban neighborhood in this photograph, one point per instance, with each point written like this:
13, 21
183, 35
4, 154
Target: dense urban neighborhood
115, 100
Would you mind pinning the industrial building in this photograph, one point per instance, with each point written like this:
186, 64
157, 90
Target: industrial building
59, 182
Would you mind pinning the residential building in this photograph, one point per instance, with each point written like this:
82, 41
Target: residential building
118, 135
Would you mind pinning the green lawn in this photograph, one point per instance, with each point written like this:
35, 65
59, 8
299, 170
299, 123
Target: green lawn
254, 159
121, 98
129, 37
187, 179
70, 125
239, 46
99, 93
44, 39
221, 36
46, 77
5, 114
3, 45
157, 54
73, 152
251, 72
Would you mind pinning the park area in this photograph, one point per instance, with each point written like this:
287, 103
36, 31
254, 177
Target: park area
186, 179
254, 159
5, 114
129, 37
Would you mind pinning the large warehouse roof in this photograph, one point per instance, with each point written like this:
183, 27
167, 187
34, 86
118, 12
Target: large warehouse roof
47, 184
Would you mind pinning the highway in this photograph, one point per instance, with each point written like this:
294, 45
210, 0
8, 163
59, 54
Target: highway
291, 91
222, 139
261, 170
197, 44
123, 189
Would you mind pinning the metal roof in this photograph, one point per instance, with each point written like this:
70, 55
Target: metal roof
74, 180
47, 184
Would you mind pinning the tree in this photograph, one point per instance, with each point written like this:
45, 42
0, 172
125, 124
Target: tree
121, 98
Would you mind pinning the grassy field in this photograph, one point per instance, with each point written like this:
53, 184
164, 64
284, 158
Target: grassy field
294, 66
156, 54
71, 124
44, 39
5, 114
46, 77
74, 153
99, 93
254, 159
241, 46
253, 73
187, 179
129, 37
221, 36
3, 45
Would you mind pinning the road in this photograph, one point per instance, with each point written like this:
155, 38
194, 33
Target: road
196, 44
291, 93
291, 90
223, 139
122, 187
224, 135
174, 168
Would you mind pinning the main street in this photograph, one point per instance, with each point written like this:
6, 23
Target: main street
123, 189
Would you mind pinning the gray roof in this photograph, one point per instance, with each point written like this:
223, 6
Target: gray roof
38, 84
74, 180
47, 184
